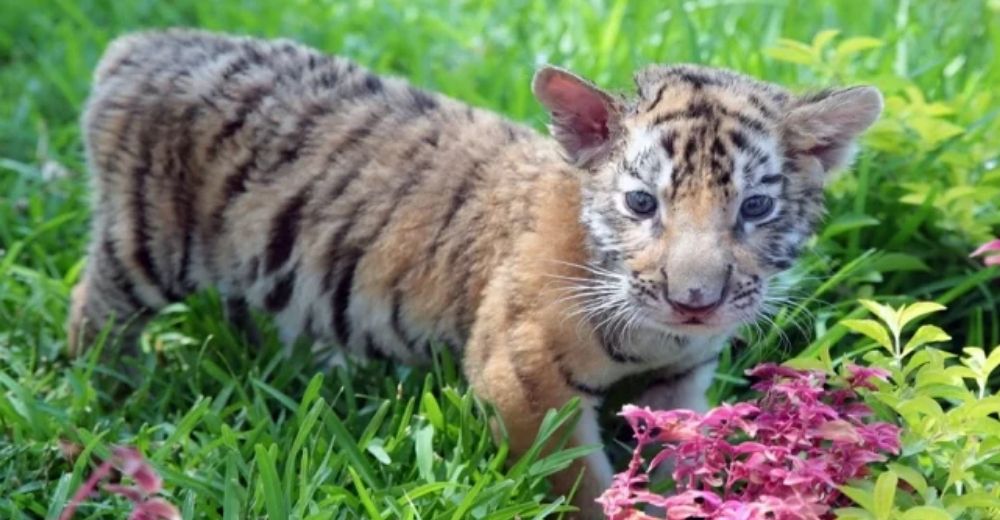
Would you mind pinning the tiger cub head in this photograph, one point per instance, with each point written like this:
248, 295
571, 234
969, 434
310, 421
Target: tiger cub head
700, 187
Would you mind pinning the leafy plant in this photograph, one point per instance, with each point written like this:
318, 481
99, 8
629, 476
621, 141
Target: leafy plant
950, 143
950, 459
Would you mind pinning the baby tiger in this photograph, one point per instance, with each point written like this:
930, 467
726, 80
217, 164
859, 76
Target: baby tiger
361, 211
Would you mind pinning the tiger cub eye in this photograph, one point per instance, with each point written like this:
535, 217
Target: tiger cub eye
641, 203
756, 207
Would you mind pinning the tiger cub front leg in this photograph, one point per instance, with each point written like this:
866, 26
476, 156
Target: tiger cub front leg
513, 367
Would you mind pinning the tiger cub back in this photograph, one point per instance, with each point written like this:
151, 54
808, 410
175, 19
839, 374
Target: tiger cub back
355, 208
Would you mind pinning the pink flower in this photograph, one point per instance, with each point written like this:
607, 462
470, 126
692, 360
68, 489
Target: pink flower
861, 376
989, 252
130, 463
781, 456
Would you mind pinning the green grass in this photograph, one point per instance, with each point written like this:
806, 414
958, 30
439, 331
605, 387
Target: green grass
239, 432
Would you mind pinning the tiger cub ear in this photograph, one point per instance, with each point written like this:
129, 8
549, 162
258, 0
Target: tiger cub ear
825, 126
585, 119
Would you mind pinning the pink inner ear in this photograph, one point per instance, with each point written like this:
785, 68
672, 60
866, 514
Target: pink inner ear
583, 108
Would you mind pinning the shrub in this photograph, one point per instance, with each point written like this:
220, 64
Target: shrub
950, 458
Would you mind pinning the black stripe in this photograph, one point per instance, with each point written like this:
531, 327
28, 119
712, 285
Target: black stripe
329, 78
333, 251
281, 293
237, 67
296, 140
572, 382
689, 150
611, 349
702, 109
675, 377
249, 102
372, 84
119, 275
669, 142
771, 179
511, 134
631, 170
240, 318
739, 139
341, 300
695, 79
695, 110
458, 199
234, 186
140, 234
422, 101
759, 104
747, 121
351, 139
396, 319
718, 149
285, 230
399, 195
187, 186
253, 270
372, 349
432, 138
659, 96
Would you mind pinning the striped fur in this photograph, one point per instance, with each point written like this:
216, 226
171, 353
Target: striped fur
361, 211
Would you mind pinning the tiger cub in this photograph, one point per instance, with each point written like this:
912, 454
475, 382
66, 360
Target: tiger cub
361, 211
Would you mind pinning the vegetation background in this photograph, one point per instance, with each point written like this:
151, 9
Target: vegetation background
246, 433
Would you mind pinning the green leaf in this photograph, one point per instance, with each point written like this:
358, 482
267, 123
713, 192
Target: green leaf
887, 314
432, 411
378, 451
891, 262
924, 335
349, 447
872, 329
921, 405
423, 446
860, 496
916, 310
793, 52
858, 44
231, 499
274, 498
992, 361
925, 513
845, 223
363, 495
852, 513
884, 495
823, 38
911, 477
974, 499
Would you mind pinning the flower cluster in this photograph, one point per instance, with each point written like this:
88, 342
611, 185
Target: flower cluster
145, 505
779, 457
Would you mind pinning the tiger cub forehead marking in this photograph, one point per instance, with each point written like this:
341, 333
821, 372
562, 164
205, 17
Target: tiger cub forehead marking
694, 128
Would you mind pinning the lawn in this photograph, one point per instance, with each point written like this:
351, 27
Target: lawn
239, 432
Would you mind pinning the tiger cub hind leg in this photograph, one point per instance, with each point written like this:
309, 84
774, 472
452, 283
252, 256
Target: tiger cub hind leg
103, 304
